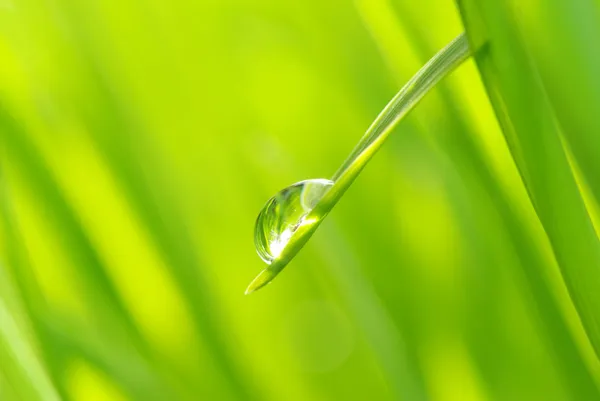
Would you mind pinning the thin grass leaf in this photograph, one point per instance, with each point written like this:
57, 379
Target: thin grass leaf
444, 62
20, 362
388, 343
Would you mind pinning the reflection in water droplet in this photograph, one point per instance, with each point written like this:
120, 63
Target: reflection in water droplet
284, 214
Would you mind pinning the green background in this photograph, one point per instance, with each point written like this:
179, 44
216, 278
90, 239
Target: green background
140, 138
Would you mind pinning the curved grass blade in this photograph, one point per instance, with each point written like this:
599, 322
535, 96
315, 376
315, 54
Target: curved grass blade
444, 62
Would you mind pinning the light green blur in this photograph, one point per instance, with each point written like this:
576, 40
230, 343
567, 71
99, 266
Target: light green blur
139, 140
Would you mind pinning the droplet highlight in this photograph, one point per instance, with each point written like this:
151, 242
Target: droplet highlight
284, 213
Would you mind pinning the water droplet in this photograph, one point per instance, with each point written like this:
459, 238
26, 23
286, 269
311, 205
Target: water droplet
284, 213
282, 217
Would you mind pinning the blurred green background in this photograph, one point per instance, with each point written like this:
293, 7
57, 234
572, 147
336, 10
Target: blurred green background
140, 138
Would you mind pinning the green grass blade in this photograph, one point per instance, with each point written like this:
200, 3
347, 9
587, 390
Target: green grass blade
561, 39
457, 138
529, 125
20, 362
15, 140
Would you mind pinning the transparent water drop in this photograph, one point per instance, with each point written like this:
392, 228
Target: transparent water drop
284, 213
284, 225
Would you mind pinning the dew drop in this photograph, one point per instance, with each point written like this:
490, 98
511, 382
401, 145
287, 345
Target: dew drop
284, 213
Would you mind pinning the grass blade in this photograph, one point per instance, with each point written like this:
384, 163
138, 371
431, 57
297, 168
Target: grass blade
529, 125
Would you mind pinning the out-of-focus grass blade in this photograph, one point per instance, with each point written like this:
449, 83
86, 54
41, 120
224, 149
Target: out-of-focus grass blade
14, 139
17, 279
20, 364
108, 305
530, 128
117, 134
7, 391
387, 342
126, 368
61, 343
